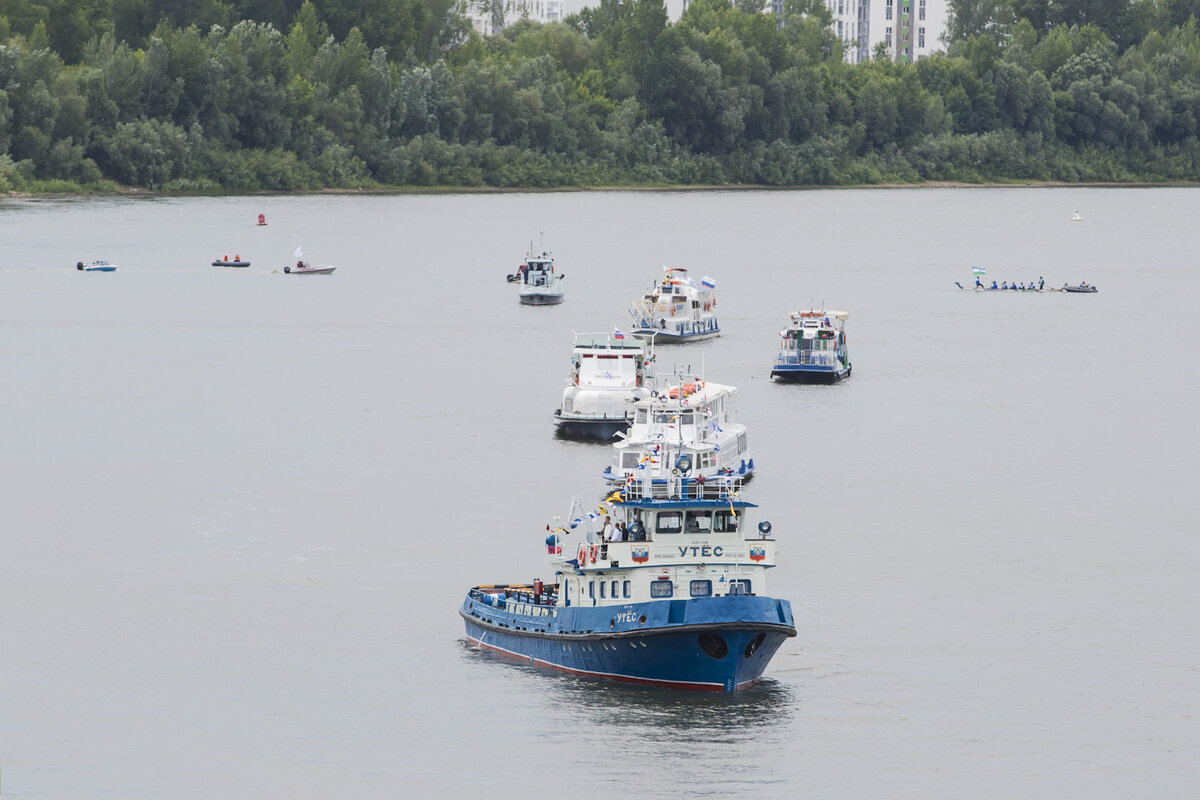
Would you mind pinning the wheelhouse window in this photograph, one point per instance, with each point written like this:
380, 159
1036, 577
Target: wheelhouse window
603, 586
725, 522
701, 588
739, 586
640, 417
669, 522
629, 460
628, 587
699, 521
661, 588
592, 590
613, 592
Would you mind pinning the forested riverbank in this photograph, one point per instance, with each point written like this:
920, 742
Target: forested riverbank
280, 96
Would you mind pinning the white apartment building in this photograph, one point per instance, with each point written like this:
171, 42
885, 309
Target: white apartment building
911, 29
480, 13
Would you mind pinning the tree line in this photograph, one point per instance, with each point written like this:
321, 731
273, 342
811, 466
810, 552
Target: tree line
248, 95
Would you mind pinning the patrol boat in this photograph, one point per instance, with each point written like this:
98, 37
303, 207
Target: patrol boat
687, 416
683, 605
609, 372
812, 349
676, 309
540, 284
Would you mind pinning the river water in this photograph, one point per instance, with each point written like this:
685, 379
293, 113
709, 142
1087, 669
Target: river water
241, 508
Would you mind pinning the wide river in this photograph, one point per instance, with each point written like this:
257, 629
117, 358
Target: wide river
240, 508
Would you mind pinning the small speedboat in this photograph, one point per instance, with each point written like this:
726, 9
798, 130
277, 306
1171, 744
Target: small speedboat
1076, 217
236, 261
305, 268
1083, 288
96, 266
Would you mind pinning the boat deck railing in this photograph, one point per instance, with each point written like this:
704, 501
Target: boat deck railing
814, 358
679, 487
500, 595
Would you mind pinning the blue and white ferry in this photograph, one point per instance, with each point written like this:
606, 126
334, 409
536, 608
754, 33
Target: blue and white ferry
676, 309
812, 349
682, 603
690, 417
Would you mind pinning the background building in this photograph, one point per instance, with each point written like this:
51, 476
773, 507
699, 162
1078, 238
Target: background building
483, 17
910, 29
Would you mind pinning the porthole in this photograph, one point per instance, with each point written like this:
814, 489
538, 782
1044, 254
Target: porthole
755, 643
713, 645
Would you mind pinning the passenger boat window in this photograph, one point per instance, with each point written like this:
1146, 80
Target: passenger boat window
741, 442
629, 588
613, 593
669, 522
603, 586
725, 522
686, 418
592, 589
661, 588
739, 586
629, 460
702, 588
699, 521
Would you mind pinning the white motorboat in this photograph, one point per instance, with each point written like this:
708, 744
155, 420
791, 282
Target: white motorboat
540, 284
690, 417
303, 267
96, 266
609, 373
676, 309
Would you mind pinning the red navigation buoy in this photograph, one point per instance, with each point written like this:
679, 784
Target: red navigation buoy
262, 219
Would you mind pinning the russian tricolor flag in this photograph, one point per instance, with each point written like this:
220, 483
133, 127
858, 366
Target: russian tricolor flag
617, 334
708, 283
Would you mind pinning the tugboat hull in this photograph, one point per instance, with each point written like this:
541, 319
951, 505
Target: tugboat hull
719, 645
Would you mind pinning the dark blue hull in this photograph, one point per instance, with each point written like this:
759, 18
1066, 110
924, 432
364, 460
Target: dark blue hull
809, 374
709, 644
600, 430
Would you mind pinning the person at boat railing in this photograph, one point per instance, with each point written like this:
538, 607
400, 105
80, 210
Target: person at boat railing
606, 530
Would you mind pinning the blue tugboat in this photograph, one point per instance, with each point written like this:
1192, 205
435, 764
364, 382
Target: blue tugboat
812, 348
673, 596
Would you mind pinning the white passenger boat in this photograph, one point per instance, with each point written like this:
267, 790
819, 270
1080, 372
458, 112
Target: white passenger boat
692, 418
676, 309
540, 284
609, 373
812, 349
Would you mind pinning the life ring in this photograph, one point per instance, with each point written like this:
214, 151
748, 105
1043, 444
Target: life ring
672, 311
582, 554
594, 551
